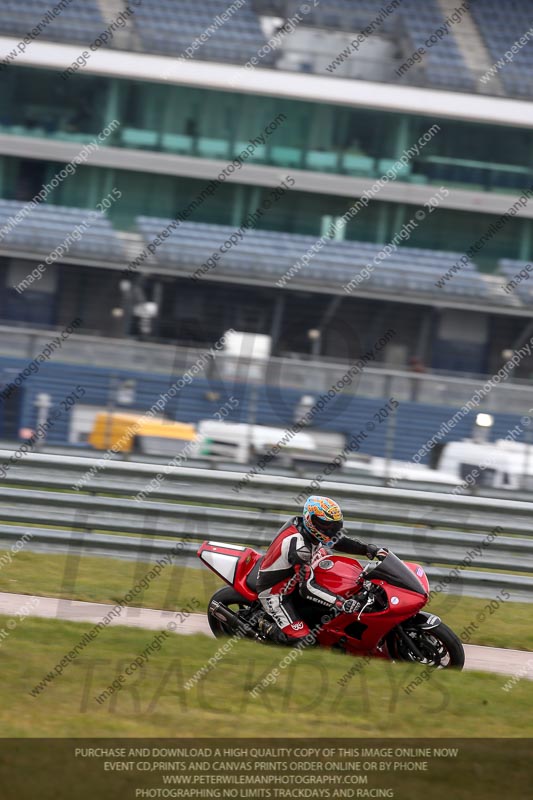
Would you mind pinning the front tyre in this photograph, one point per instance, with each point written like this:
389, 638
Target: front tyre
231, 599
439, 647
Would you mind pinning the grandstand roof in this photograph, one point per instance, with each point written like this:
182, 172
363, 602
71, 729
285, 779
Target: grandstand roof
227, 77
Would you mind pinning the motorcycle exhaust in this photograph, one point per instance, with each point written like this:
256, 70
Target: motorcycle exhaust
225, 614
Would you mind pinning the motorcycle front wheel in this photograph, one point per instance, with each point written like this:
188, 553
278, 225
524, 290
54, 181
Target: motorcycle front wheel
439, 647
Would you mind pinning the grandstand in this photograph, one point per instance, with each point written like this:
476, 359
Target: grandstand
49, 225
170, 28
475, 35
75, 23
221, 105
501, 27
416, 423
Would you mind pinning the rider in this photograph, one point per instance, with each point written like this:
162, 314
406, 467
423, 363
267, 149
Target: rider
289, 562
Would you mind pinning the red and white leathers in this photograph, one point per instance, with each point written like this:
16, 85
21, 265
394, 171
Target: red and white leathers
289, 564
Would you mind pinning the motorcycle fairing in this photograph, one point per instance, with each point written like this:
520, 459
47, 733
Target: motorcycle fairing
232, 563
341, 575
394, 571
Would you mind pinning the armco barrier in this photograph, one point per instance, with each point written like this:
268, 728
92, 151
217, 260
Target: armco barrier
487, 541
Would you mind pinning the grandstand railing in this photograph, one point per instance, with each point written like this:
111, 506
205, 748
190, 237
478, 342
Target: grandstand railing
310, 375
39, 501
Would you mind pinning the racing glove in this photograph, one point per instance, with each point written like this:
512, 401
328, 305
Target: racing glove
373, 551
349, 606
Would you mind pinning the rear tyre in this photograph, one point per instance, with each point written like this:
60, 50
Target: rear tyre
440, 647
232, 600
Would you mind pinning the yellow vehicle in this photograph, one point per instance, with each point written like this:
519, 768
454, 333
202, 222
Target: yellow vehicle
127, 433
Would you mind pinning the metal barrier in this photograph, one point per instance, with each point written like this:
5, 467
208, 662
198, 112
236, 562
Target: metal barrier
309, 376
486, 543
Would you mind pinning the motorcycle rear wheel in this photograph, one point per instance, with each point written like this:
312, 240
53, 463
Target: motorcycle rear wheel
232, 600
440, 646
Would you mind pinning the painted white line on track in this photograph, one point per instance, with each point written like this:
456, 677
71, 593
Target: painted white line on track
81, 611
484, 659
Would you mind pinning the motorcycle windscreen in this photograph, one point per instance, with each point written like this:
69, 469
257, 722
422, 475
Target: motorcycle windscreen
394, 571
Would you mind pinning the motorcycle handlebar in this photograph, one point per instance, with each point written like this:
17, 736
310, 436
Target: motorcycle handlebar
372, 565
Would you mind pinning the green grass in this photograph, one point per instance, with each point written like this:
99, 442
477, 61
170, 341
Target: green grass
508, 625
305, 701
106, 580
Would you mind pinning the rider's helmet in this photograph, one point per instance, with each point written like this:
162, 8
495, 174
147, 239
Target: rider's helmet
322, 518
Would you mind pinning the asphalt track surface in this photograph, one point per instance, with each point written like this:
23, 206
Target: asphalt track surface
485, 659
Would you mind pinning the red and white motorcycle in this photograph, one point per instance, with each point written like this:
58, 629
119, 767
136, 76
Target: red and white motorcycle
391, 623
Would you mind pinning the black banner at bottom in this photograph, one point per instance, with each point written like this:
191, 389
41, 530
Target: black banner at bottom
132, 769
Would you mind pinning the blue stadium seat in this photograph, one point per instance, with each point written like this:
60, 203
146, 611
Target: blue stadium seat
77, 23
521, 277
263, 252
501, 28
47, 226
170, 27
167, 27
